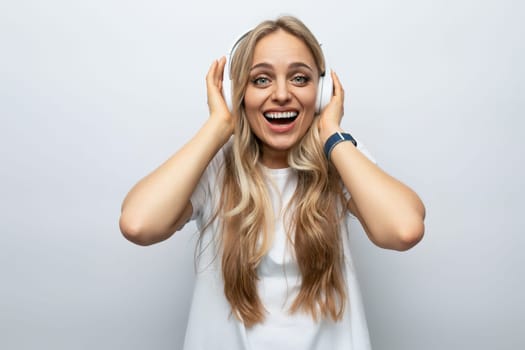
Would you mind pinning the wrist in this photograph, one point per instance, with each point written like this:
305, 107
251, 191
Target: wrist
327, 131
220, 127
327, 128
335, 139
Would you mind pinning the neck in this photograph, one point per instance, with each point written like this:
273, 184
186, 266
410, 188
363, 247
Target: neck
274, 159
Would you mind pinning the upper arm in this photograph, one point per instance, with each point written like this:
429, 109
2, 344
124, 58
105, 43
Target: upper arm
389, 239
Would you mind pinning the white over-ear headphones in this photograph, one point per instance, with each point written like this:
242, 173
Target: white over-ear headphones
324, 89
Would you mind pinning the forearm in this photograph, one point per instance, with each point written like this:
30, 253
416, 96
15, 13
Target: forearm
392, 214
156, 204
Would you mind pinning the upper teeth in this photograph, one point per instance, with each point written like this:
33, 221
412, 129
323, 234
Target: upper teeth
280, 115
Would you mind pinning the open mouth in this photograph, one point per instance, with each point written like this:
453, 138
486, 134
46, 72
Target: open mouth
281, 118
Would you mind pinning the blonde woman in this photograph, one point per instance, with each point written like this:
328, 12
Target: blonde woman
273, 184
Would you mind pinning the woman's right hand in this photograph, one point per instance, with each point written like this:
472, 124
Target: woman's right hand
216, 103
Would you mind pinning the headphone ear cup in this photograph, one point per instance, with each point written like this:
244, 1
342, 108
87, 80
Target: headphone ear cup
227, 84
325, 90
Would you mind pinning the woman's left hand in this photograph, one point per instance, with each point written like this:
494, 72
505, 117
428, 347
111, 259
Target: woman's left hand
331, 115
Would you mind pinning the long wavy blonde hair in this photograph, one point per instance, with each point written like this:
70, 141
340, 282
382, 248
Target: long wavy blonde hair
246, 213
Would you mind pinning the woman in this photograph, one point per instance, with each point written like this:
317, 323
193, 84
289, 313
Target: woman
273, 203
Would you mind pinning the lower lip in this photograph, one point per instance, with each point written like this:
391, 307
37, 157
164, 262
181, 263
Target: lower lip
280, 128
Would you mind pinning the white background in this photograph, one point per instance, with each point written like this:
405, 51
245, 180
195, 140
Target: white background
95, 94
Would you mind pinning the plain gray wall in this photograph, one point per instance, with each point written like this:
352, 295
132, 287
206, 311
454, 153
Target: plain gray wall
95, 94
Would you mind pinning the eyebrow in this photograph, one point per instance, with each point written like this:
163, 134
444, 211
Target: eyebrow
292, 66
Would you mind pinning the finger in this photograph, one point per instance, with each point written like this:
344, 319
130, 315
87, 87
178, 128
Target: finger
220, 71
338, 87
210, 76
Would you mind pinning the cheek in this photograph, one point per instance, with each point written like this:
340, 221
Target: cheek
253, 98
252, 105
308, 97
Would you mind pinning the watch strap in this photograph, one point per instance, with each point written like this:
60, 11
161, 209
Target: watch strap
335, 139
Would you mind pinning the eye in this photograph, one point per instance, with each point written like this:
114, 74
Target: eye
300, 79
260, 81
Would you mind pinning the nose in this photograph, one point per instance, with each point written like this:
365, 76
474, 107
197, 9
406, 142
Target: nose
281, 92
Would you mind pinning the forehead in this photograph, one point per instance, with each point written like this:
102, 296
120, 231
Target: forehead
282, 47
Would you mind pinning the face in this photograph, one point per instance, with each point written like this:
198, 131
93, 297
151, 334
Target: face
280, 97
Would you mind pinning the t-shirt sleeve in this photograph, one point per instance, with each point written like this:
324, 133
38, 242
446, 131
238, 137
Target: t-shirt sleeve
198, 197
202, 196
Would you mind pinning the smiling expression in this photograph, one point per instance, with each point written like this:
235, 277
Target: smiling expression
280, 97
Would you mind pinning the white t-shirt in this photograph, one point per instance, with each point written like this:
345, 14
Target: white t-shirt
211, 324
